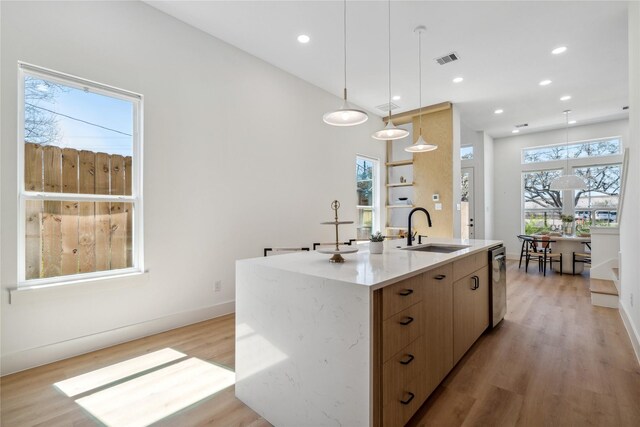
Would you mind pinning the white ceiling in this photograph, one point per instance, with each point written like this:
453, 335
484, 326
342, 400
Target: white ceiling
504, 48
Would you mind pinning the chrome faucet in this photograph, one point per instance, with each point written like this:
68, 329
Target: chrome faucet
409, 235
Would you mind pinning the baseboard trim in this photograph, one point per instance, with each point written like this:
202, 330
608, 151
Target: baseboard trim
31, 358
634, 336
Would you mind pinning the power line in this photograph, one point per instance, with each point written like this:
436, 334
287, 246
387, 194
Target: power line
76, 119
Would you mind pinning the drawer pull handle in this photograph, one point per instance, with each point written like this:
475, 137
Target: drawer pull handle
408, 320
440, 277
409, 359
476, 283
406, 292
409, 399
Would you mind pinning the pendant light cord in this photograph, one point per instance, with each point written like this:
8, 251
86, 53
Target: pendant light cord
420, 78
389, 16
566, 146
344, 17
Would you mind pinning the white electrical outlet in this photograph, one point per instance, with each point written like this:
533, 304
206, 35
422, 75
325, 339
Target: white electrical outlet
218, 286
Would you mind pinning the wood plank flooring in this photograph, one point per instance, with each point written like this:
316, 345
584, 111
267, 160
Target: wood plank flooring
555, 360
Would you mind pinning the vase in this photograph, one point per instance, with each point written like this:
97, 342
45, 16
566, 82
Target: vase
376, 247
568, 228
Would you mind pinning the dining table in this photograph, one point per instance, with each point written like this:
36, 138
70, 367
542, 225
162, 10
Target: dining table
567, 245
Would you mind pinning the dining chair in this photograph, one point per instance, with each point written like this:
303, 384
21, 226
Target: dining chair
541, 249
583, 257
525, 248
272, 251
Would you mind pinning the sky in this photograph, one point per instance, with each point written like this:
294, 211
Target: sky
98, 110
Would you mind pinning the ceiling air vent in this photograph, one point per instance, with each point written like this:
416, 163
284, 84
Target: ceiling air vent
385, 107
522, 125
447, 58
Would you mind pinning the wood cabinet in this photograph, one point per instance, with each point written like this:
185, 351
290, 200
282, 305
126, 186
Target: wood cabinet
470, 310
423, 325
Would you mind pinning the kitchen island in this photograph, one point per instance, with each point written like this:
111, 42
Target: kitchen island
356, 344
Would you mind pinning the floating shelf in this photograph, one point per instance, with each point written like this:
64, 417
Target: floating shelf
400, 184
400, 206
400, 163
396, 228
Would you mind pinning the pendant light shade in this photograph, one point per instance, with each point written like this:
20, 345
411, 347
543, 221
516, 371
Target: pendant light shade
568, 182
390, 132
420, 146
346, 115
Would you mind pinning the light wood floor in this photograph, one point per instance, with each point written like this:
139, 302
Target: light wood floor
554, 360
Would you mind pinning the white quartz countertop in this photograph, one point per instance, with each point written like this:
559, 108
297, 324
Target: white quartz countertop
373, 270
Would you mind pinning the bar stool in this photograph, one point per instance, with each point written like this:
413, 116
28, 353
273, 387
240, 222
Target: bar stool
583, 257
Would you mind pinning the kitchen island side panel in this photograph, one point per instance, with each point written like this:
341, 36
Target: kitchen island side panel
303, 347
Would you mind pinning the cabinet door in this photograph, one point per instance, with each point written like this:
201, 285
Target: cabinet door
438, 328
470, 310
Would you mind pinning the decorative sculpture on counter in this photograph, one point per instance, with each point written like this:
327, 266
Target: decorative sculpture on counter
337, 257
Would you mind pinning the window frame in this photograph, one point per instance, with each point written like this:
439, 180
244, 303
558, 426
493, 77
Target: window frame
561, 164
375, 203
136, 197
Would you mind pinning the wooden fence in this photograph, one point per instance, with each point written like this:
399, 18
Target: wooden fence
71, 237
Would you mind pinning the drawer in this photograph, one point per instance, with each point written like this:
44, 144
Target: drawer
404, 404
440, 276
401, 295
401, 329
402, 368
469, 264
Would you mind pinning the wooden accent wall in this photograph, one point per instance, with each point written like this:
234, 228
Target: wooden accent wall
433, 173
71, 237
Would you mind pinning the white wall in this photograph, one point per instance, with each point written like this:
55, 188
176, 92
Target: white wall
489, 186
507, 169
236, 158
629, 228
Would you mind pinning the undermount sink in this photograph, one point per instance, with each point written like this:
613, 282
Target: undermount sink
436, 248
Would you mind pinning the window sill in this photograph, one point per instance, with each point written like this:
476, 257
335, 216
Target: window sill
29, 294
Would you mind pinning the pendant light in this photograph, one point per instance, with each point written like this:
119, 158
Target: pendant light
420, 146
346, 115
568, 182
390, 132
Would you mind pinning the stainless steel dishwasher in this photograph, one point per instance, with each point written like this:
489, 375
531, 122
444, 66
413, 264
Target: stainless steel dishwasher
498, 280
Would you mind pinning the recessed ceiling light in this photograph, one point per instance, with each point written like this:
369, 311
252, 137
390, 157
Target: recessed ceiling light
559, 50
458, 79
498, 111
545, 82
396, 98
515, 131
303, 38
565, 98
573, 122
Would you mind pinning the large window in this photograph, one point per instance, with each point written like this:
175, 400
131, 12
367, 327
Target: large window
366, 188
80, 195
598, 204
596, 148
597, 161
542, 206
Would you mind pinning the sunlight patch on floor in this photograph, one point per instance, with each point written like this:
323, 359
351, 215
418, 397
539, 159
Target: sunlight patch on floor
148, 398
101, 377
